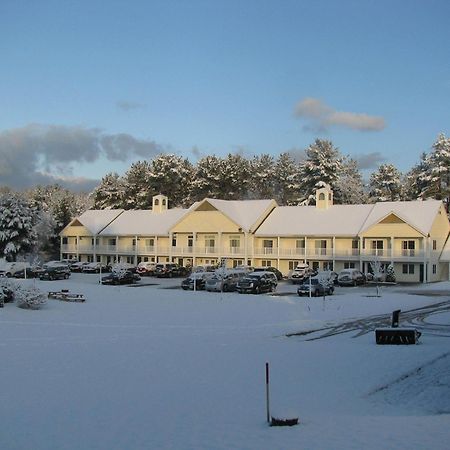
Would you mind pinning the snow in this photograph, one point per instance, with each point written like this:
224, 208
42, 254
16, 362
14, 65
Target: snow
155, 367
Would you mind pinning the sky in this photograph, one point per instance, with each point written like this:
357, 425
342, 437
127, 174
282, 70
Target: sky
88, 87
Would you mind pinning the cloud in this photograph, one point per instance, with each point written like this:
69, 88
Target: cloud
125, 105
43, 154
321, 116
370, 161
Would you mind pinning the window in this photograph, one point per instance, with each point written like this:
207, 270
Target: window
321, 247
190, 241
315, 265
174, 240
408, 248
434, 269
300, 243
328, 265
134, 243
235, 242
378, 245
408, 269
130, 260
94, 241
268, 246
292, 265
434, 244
266, 263
150, 242
321, 196
156, 202
99, 258
65, 241
112, 241
349, 265
210, 241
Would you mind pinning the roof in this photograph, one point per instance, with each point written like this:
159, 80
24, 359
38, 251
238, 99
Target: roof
346, 220
419, 214
245, 213
342, 220
144, 222
95, 220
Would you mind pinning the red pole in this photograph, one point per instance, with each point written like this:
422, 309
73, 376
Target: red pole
267, 393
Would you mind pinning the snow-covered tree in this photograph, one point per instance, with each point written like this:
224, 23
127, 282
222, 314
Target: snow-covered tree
17, 226
349, 186
206, 182
416, 180
234, 178
385, 184
286, 182
262, 177
438, 175
323, 163
110, 193
137, 191
171, 175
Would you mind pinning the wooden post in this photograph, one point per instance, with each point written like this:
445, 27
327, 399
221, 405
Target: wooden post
267, 393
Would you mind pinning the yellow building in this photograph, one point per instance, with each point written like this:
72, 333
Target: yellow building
410, 236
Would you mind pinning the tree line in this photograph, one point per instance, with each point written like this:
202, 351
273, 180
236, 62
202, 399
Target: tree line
31, 221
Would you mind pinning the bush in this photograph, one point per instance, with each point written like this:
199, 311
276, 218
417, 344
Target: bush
29, 298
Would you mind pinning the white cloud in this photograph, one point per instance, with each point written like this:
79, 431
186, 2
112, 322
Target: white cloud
320, 116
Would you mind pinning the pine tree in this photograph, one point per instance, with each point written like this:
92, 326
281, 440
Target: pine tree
171, 175
262, 177
110, 193
137, 186
286, 181
416, 182
349, 186
323, 164
17, 226
234, 177
206, 182
385, 184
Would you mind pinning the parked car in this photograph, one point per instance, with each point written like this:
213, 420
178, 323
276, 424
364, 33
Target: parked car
29, 272
277, 273
6, 295
351, 277
55, 273
78, 266
301, 273
10, 268
256, 282
121, 277
224, 282
146, 269
196, 280
317, 286
95, 267
328, 275
169, 270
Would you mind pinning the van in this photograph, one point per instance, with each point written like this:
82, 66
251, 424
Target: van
8, 269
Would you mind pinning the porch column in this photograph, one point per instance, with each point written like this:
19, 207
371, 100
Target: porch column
392, 250
156, 249
334, 252
361, 246
95, 248
136, 250
306, 250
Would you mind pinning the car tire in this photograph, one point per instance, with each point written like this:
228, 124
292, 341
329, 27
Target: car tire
66, 276
225, 288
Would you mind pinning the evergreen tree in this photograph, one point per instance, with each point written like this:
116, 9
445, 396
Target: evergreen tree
323, 164
110, 193
349, 186
286, 180
17, 226
171, 175
234, 177
262, 177
416, 180
206, 182
137, 186
385, 184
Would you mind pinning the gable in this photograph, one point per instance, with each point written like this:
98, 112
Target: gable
387, 229
209, 221
391, 218
76, 223
205, 206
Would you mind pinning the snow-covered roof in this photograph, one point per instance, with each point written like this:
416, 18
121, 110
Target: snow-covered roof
97, 219
338, 220
245, 213
346, 220
418, 214
144, 222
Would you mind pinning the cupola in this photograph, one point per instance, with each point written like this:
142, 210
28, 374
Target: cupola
160, 203
324, 196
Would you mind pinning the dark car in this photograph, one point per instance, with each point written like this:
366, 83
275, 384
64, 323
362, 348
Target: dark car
255, 283
169, 270
30, 272
55, 273
121, 277
199, 278
317, 287
274, 270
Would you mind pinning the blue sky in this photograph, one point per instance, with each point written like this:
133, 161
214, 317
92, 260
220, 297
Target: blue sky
87, 87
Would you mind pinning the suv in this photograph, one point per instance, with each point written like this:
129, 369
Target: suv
224, 283
300, 273
257, 282
274, 270
169, 270
55, 273
317, 287
351, 277
196, 281
9, 269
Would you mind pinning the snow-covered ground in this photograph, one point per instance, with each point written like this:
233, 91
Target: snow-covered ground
155, 367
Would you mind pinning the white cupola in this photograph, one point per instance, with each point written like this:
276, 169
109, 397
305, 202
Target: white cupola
160, 203
324, 196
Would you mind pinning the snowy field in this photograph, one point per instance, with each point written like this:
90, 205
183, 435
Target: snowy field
155, 367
